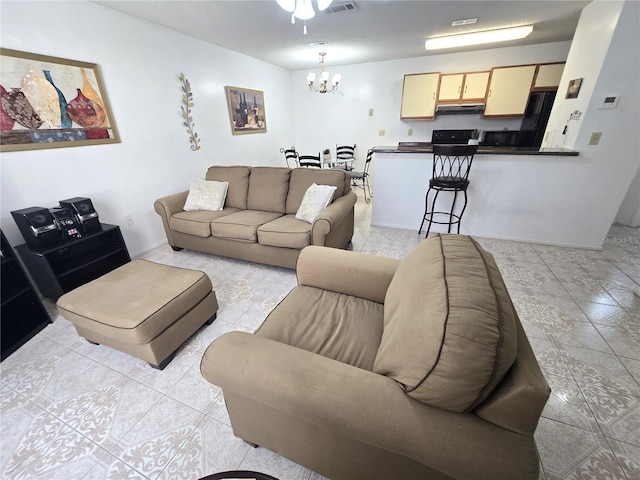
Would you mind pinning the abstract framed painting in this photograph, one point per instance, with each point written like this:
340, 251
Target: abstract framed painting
246, 110
50, 102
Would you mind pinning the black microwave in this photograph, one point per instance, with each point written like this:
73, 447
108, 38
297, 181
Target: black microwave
501, 138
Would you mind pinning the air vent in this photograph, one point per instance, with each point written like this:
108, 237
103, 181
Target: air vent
316, 44
341, 7
468, 21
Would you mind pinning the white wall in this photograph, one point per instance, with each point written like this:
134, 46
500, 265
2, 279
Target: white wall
322, 120
140, 63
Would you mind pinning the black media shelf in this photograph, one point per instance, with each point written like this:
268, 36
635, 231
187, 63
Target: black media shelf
60, 268
23, 314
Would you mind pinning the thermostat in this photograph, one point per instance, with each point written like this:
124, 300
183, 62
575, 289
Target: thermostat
609, 102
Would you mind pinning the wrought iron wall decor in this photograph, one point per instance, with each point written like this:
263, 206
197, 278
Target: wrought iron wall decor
187, 104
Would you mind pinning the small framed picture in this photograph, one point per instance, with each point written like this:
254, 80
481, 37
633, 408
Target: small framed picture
574, 88
246, 110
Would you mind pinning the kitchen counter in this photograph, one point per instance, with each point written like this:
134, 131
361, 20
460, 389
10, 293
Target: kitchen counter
424, 147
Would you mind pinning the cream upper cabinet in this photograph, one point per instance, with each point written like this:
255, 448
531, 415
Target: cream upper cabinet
450, 87
475, 86
509, 89
549, 75
419, 96
463, 87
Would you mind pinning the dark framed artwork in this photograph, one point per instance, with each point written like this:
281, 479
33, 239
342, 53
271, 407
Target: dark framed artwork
51, 102
246, 110
574, 88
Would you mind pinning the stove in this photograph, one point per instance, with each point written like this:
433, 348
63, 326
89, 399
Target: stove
451, 137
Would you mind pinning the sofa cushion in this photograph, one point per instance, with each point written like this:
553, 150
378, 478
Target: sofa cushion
238, 178
206, 195
198, 222
302, 178
268, 188
449, 325
286, 231
334, 325
242, 225
315, 199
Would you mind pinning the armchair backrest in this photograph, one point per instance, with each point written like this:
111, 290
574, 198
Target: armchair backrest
451, 333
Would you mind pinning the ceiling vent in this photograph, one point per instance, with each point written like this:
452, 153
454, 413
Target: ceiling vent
341, 7
468, 21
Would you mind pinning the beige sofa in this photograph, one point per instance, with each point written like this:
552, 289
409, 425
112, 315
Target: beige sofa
258, 220
375, 368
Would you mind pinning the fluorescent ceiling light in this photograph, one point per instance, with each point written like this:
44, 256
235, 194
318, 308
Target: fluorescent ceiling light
478, 38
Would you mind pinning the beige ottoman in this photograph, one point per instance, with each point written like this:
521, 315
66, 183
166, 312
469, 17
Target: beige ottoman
142, 308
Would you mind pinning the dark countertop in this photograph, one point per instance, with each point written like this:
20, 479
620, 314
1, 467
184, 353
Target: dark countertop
423, 147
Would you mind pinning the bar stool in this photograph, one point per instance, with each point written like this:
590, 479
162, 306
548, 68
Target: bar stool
451, 165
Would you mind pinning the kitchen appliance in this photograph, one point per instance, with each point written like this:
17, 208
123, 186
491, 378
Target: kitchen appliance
37, 226
66, 222
460, 108
501, 138
451, 137
535, 119
84, 212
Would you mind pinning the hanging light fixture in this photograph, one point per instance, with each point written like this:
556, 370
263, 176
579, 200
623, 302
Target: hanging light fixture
322, 86
303, 9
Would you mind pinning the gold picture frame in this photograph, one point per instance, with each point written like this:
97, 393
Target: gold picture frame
246, 116
51, 102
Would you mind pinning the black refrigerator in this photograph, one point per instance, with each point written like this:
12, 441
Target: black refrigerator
535, 119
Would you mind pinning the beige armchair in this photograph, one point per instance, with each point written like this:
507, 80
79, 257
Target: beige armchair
377, 368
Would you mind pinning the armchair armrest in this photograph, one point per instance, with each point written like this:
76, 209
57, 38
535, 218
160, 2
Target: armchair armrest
352, 273
364, 406
166, 207
330, 217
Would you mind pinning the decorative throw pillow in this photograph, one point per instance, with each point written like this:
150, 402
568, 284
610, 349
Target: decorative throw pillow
315, 199
206, 195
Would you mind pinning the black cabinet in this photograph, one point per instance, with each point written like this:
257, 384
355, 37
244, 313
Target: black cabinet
60, 268
23, 314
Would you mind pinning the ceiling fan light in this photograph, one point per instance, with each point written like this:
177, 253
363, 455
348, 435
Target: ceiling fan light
288, 5
304, 10
478, 38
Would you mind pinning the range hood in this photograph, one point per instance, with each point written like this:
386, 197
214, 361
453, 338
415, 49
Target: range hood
460, 108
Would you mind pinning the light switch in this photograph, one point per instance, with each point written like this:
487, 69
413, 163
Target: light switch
371, 112
595, 138
381, 133
410, 133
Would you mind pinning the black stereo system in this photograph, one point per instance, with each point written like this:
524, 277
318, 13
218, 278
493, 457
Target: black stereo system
42, 227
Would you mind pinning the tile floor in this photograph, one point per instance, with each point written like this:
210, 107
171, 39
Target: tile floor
72, 410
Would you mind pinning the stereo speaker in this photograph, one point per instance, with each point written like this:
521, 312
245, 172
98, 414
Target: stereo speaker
37, 226
84, 212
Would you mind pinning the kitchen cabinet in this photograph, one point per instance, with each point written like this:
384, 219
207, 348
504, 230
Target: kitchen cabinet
419, 96
509, 89
463, 87
548, 76
23, 314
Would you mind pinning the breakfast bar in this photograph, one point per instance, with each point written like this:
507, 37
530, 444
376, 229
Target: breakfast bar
513, 191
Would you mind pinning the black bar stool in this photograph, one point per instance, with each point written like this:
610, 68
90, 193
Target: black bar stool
451, 165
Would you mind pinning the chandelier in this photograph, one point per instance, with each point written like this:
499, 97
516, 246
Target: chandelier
303, 9
323, 80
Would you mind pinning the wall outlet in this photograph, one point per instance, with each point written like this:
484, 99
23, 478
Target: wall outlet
381, 133
595, 138
371, 112
128, 220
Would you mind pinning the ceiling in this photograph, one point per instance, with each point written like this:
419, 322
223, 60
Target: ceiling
376, 30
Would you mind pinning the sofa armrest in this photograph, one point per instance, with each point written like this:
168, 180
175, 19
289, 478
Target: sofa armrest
332, 216
353, 273
166, 207
364, 406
